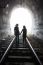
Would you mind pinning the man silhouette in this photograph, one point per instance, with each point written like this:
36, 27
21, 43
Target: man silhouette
24, 30
16, 32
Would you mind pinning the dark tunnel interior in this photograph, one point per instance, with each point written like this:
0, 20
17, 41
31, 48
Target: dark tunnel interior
35, 38
36, 6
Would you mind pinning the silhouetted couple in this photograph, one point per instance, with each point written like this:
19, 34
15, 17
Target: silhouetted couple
17, 33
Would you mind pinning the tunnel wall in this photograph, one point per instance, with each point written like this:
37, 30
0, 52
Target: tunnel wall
34, 5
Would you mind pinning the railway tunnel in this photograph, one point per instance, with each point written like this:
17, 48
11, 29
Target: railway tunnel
10, 13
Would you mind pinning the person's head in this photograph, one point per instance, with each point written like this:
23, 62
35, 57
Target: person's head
17, 25
24, 26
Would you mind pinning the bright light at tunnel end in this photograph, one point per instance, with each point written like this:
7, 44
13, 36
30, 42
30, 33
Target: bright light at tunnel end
21, 16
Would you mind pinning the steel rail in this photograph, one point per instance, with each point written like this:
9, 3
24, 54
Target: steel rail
34, 53
7, 50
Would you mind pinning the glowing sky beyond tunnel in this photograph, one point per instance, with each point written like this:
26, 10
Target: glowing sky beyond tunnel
21, 16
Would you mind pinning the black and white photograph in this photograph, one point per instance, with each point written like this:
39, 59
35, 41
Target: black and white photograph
21, 32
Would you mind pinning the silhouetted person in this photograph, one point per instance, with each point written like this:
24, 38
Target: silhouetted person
16, 32
24, 30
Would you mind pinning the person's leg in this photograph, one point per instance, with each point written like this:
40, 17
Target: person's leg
23, 41
18, 40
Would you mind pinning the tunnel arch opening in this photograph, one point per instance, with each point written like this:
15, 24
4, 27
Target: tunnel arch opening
22, 16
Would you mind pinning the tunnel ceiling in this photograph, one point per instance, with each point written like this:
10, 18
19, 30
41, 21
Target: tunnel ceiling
35, 5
